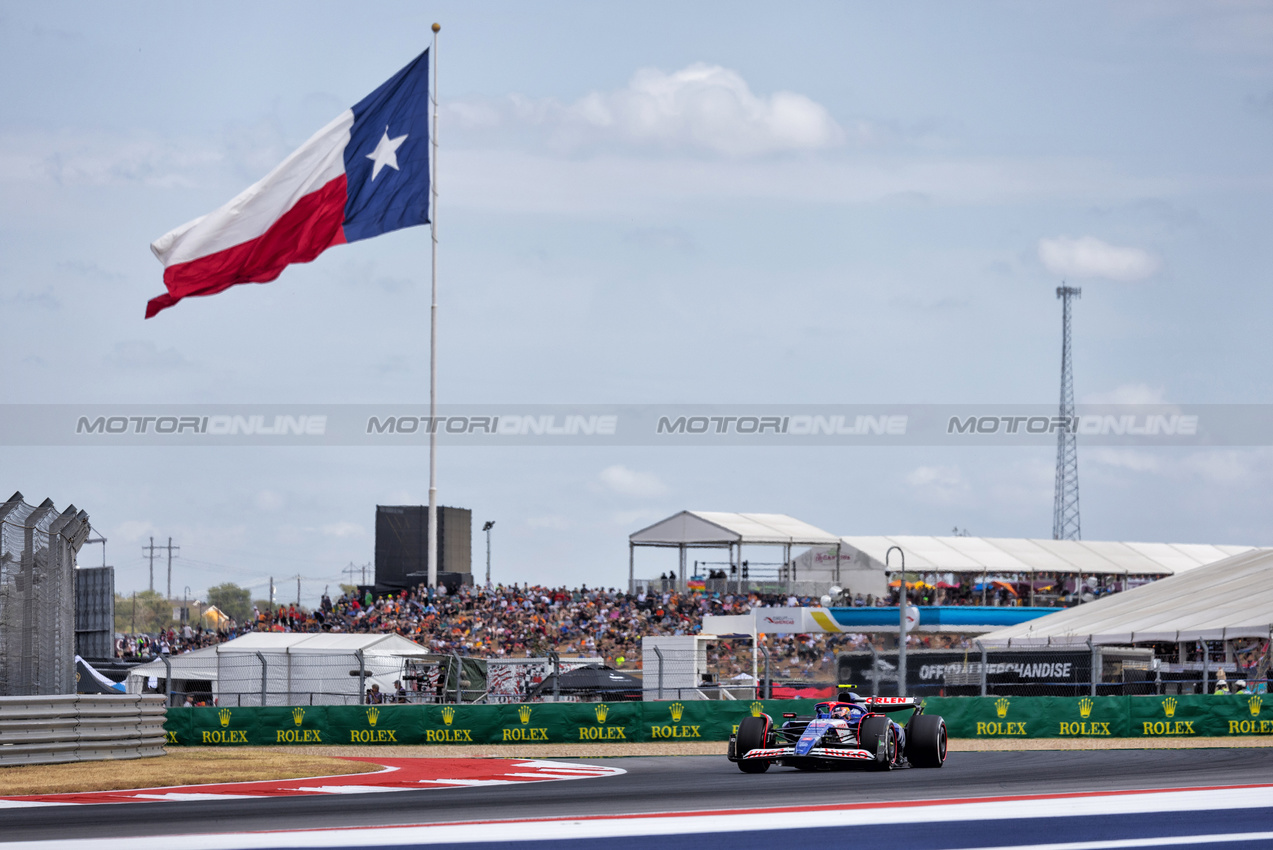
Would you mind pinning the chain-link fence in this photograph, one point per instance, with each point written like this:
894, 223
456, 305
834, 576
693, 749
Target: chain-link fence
37, 596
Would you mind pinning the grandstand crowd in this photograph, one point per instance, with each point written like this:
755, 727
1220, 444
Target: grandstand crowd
531, 620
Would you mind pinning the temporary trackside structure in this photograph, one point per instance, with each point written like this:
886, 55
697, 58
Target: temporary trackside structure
1229, 599
274, 668
730, 531
859, 565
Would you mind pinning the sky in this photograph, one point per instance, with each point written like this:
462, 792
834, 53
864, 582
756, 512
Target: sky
664, 203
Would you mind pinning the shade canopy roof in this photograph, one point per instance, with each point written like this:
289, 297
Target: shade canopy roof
718, 528
323, 643
1024, 555
1232, 598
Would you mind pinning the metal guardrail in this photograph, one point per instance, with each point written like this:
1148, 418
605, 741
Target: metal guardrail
57, 729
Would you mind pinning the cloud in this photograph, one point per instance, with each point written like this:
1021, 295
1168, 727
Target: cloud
1087, 257
701, 107
344, 529
626, 482
44, 299
143, 354
662, 238
132, 530
1128, 394
938, 484
268, 500
552, 522
1129, 459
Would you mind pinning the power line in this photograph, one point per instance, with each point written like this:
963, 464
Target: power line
150, 550
170, 548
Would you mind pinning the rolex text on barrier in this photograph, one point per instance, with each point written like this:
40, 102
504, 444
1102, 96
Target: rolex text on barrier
706, 720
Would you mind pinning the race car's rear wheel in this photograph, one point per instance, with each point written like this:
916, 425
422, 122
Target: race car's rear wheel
751, 736
875, 733
926, 741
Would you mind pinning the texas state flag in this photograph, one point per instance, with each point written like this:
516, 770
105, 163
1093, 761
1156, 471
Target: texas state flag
364, 174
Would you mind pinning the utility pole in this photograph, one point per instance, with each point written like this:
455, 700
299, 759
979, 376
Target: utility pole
298, 590
487, 528
170, 548
271, 593
150, 550
1065, 506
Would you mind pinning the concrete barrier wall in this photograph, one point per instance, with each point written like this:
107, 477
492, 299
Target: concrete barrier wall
966, 717
56, 729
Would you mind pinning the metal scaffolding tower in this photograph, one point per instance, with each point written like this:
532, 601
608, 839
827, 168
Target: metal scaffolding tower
1065, 506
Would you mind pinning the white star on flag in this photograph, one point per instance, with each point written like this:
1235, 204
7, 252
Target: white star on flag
386, 153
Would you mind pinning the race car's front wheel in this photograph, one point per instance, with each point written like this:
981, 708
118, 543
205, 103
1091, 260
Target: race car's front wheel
751, 736
926, 741
876, 734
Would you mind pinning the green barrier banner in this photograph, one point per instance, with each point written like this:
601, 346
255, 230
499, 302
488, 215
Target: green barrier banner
706, 720
215, 727
178, 729
1032, 717
460, 724
1187, 716
368, 724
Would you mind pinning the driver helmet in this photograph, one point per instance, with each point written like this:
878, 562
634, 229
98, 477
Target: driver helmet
841, 711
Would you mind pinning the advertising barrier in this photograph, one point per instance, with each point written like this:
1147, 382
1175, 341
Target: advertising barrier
1196, 715
559, 723
710, 720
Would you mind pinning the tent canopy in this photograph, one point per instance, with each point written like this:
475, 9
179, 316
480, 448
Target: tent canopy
1232, 598
718, 528
1023, 555
322, 642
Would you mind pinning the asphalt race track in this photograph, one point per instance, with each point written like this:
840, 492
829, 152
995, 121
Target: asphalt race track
670, 784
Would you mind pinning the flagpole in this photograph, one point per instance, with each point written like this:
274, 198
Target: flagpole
433, 330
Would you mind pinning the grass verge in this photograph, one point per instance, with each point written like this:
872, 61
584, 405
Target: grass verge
184, 766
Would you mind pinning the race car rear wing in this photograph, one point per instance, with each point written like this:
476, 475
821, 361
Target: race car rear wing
886, 704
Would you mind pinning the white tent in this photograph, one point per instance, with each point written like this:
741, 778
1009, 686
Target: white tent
723, 530
1232, 598
293, 668
861, 560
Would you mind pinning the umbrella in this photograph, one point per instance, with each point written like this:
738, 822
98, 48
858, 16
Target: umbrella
592, 679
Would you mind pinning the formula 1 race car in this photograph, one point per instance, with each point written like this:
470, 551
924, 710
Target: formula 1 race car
852, 731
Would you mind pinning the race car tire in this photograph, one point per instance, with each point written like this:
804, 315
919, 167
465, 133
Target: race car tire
926, 741
870, 732
751, 736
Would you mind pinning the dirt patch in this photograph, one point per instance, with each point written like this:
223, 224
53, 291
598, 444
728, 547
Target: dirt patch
186, 766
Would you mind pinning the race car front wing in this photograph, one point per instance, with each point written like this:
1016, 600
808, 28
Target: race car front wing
816, 752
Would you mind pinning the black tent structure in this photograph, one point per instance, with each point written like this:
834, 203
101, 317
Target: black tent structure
593, 682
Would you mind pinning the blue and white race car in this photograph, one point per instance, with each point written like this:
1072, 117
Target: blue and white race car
847, 732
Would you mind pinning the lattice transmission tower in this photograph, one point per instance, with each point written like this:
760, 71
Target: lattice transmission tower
1065, 506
